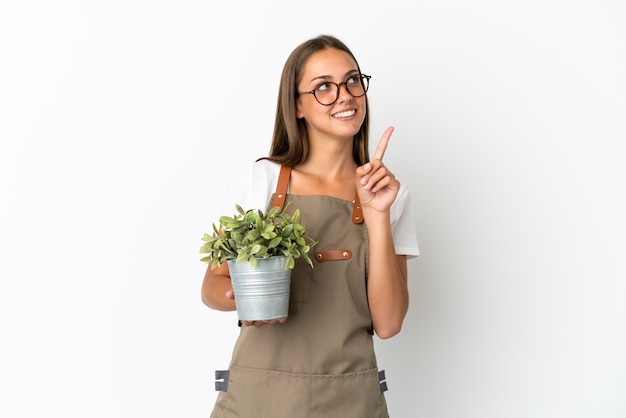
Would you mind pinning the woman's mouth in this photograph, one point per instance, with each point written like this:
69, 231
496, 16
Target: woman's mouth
344, 114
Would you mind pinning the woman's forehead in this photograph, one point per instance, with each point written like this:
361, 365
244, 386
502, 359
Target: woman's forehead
328, 63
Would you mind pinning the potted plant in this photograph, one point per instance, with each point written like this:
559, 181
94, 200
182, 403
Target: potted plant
260, 250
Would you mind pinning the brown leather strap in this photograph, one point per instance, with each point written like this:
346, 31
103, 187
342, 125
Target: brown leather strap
357, 212
330, 255
281, 187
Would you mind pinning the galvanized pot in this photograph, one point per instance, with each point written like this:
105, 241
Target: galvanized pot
261, 293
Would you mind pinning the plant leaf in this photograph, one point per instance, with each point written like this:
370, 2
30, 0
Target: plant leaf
253, 261
274, 243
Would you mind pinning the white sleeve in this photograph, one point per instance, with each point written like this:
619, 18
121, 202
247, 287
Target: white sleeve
403, 224
251, 188
261, 184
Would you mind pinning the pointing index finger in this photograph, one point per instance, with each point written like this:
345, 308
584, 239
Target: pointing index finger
382, 144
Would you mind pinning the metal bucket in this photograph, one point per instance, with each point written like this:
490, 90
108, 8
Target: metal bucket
261, 293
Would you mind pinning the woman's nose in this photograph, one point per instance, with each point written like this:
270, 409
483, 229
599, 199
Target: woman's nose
344, 94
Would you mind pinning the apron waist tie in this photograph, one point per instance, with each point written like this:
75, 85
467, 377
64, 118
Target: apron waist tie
221, 380
383, 384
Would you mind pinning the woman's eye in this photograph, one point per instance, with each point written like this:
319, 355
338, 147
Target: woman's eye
354, 79
324, 87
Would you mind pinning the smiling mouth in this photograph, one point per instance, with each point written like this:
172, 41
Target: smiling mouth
345, 114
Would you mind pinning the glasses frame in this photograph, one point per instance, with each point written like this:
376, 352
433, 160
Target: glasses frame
344, 83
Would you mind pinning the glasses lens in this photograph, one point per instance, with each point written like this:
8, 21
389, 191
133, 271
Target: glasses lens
328, 95
357, 86
365, 82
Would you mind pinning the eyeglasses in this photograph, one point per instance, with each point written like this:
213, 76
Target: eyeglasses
327, 92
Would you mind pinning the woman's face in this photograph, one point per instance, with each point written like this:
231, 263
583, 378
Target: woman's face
344, 117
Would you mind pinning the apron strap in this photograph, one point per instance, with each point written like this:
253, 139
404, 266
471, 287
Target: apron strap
281, 194
281, 187
357, 212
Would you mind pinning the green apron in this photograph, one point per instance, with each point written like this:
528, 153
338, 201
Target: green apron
321, 362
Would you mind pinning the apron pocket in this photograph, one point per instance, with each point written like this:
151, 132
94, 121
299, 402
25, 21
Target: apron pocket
263, 394
348, 395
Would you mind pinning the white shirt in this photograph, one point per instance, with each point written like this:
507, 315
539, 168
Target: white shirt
260, 183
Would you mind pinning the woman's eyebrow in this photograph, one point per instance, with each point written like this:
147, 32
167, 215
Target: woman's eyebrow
330, 77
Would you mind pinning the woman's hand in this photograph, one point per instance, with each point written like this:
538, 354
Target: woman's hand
259, 324
376, 185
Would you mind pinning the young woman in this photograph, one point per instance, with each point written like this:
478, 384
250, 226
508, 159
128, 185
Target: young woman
320, 361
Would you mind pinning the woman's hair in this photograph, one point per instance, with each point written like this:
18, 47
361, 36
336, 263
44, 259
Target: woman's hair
290, 143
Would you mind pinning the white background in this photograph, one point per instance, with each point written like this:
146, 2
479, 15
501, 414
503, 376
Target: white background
121, 123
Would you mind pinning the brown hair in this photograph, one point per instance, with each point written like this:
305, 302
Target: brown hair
290, 142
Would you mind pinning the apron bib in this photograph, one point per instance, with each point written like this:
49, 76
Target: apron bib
321, 362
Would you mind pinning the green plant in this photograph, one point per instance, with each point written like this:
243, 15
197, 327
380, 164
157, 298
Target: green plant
251, 234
